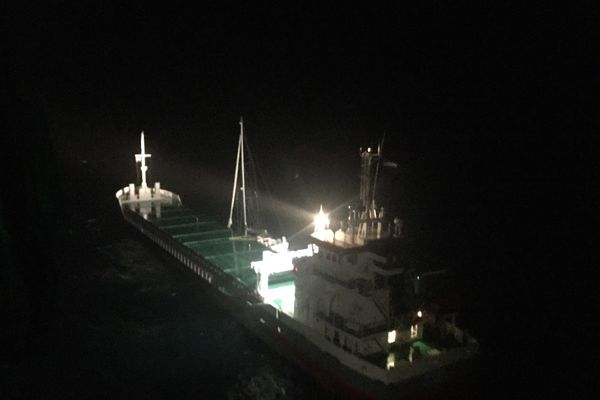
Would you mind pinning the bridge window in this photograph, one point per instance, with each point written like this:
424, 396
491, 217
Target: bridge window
414, 331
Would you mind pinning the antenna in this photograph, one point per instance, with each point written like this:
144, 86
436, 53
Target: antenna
380, 152
368, 166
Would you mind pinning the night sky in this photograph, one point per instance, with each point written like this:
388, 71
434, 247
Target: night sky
482, 107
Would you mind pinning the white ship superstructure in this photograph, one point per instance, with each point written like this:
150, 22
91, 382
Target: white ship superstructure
360, 294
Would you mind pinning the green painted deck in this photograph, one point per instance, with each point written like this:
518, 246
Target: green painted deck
423, 347
210, 240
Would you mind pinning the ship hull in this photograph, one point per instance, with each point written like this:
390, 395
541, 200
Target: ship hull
289, 337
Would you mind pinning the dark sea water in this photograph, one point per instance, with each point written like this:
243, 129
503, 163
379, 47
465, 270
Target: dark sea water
128, 321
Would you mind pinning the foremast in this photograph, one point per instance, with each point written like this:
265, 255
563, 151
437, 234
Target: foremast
144, 199
141, 158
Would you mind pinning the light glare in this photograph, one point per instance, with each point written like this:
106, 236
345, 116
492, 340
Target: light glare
391, 336
321, 221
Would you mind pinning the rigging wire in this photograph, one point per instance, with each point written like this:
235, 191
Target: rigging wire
259, 179
253, 190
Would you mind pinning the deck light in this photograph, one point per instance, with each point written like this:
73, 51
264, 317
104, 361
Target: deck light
391, 360
321, 221
391, 336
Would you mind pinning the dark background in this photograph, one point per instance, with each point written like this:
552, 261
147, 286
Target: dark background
482, 107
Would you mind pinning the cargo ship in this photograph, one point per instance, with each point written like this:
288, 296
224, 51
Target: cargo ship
347, 308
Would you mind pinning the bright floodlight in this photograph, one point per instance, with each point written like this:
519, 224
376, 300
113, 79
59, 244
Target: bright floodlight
321, 221
391, 336
391, 360
419, 314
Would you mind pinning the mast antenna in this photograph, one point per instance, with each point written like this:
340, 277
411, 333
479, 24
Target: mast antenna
380, 152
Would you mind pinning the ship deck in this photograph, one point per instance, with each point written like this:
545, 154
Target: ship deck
234, 254
210, 240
